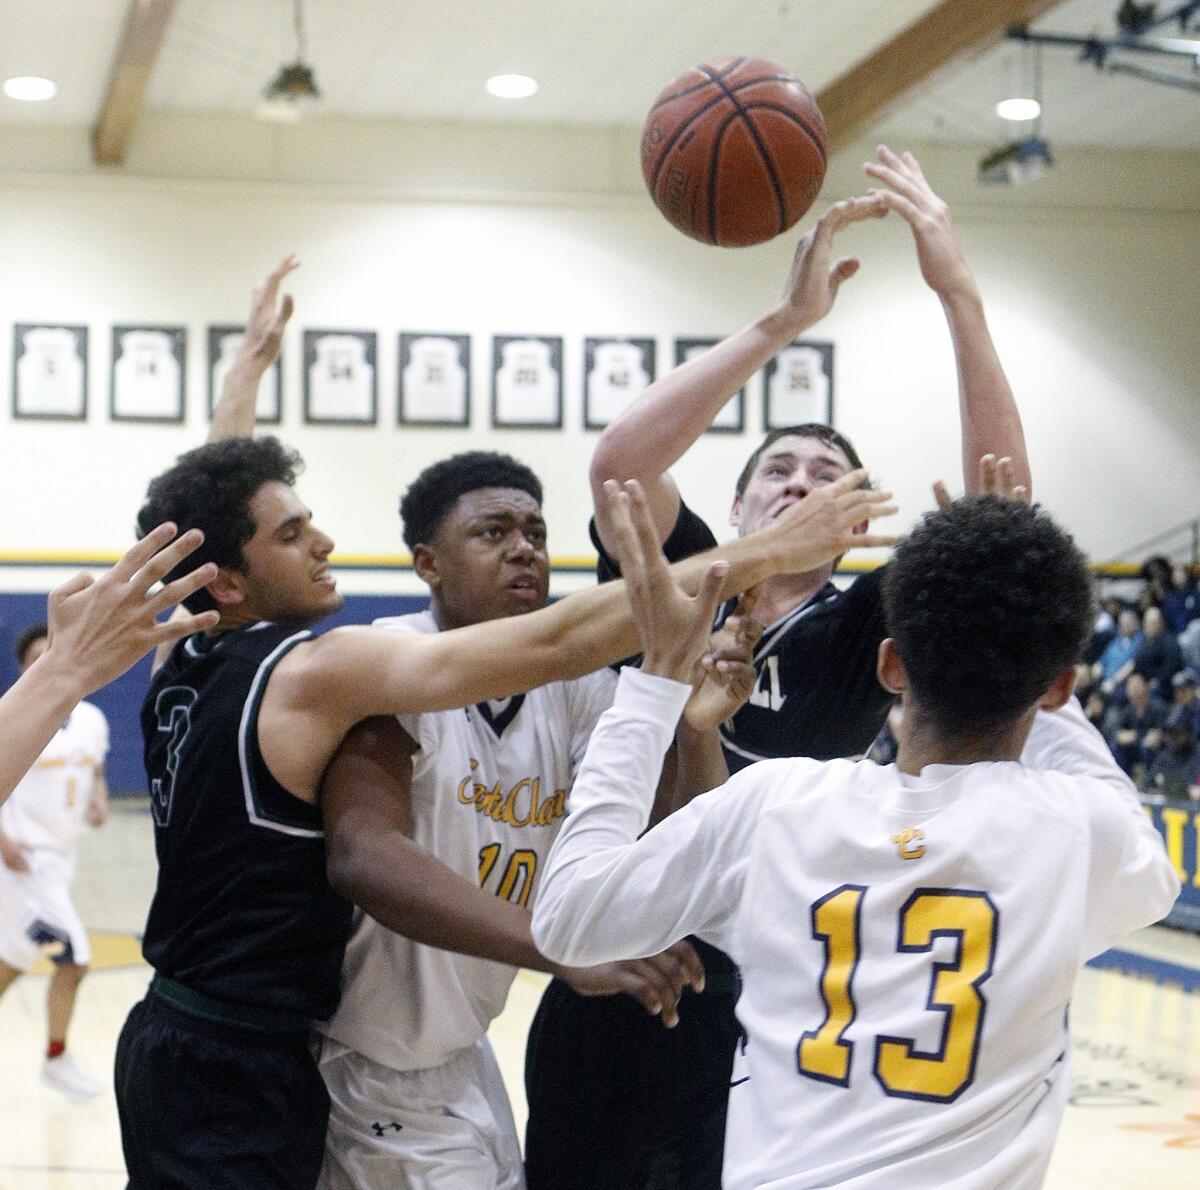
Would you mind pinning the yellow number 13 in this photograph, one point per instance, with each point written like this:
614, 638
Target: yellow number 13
902, 1070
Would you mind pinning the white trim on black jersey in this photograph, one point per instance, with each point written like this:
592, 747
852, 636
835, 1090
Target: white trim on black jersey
260, 677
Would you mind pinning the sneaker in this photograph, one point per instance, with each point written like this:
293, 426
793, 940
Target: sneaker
63, 1075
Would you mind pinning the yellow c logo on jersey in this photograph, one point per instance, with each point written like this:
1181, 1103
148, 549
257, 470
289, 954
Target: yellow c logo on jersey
522, 805
904, 838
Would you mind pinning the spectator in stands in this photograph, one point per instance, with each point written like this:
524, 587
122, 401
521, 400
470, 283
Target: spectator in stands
1116, 662
1185, 698
1181, 603
1135, 730
1158, 658
1175, 772
1103, 630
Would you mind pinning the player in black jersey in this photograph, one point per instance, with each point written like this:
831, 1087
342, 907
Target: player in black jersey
636, 1110
216, 1085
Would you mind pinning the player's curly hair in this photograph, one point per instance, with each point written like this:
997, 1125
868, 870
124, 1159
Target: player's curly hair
436, 490
210, 488
810, 429
28, 636
988, 601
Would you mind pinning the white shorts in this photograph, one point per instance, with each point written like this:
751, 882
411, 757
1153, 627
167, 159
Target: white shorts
36, 914
447, 1128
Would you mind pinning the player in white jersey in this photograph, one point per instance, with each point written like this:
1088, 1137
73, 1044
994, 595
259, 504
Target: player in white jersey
908, 934
416, 1096
61, 795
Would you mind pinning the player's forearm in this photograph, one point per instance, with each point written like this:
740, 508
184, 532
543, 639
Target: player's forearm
233, 416
32, 710
596, 902
991, 422
700, 763
414, 894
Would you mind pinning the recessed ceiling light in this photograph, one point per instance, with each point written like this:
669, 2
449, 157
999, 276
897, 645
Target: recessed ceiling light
1018, 109
512, 86
30, 88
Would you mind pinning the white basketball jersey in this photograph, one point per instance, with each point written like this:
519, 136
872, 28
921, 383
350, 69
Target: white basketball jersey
147, 375
489, 794
616, 378
799, 389
908, 944
526, 383
50, 370
48, 808
435, 383
340, 379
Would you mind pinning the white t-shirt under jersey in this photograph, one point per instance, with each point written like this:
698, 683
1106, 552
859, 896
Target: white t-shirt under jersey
908, 944
488, 800
48, 808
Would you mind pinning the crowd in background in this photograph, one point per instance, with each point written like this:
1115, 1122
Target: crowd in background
1139, 683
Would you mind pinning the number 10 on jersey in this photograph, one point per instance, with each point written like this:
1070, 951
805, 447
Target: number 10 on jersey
966, 917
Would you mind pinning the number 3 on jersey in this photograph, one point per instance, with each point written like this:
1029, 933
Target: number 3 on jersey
901, 1069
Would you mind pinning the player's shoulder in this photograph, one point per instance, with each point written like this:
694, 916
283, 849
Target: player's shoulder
412, 622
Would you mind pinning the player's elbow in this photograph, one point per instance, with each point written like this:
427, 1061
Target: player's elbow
609, 460
349, 868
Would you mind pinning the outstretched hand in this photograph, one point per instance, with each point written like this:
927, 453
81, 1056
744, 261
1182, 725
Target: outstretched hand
268, 316
101, 627
996, 478
672, 625
909, 194
814, 278
728, 676
656, 982
826, 523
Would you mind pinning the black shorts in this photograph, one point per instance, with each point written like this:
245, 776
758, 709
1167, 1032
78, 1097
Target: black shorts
209, 1105
617, 1102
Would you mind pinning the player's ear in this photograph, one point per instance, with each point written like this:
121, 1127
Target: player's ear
425, 563
889, 668
228, 588
1059, 691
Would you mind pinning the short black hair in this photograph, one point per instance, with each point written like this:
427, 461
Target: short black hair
808, 429
436, 490
29, 636
987, 600
210, 488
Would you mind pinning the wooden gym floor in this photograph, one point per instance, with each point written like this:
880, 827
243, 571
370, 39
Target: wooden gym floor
1134, 1120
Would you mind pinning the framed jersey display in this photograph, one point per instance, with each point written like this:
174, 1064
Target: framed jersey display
527, 382
798, 386
148, 373
615, 373
223, 345
49, 371
340, 380
434, 379
732, 417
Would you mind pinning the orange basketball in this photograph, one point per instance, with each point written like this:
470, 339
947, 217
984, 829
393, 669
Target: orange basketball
733, 152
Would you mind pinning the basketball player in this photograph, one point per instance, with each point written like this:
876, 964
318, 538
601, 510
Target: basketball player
417, 1098
817, 693
245, 934
39, 828
905, 986
99, 628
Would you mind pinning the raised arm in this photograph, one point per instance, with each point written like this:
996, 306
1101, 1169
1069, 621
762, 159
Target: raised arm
656, 430
233, 416
991, 423
98, 629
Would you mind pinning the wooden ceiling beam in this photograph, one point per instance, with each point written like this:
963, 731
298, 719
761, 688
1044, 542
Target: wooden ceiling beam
950, 32
137, 51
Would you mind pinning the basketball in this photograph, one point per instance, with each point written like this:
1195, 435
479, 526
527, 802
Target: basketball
733, 151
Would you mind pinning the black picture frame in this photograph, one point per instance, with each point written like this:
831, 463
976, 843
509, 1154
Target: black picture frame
317, 342
407, 400
551, 346
594, 417
122, 406
22, 398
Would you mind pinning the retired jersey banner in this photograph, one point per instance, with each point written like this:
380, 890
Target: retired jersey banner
1179, 825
